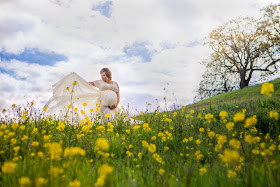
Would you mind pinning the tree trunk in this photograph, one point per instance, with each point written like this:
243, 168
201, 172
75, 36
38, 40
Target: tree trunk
243, 82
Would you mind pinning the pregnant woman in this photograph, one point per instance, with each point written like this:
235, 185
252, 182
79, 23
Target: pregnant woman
74, 95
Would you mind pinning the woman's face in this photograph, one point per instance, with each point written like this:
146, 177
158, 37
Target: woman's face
104, 77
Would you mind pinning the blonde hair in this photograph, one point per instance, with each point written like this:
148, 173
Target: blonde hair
108, 73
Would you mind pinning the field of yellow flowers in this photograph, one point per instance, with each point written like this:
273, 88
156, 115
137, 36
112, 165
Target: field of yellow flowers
182, 148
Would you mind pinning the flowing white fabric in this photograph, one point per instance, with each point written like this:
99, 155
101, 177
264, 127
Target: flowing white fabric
72, 92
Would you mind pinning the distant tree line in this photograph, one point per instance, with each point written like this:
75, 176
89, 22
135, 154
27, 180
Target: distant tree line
241, 47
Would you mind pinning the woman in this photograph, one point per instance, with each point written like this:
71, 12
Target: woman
107, 84
74, 95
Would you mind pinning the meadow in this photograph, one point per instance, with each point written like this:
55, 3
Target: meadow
228, 140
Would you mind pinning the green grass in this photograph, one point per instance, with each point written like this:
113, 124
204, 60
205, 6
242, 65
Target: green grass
248, 96
184, 146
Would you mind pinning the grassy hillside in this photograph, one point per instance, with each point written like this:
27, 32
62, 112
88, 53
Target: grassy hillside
247, 97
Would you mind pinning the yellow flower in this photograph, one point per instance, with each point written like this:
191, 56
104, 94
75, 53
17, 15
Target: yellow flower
67, 88
61, 126
161, 171
234, 143
54, 171
209, 117
24, 181
13, 141
274, 115
152, 148
102, 144
238, 117
73, 151
201, 130
55, 149
14, 126
248, 138
202, 171
153, 138
145, 144
175, 114
229, 156
136, 127
166, 148
185, 140
128, 153
223, 114
75, 83
8, 167
40, 181
35, 143
140, 155
69, 106
267, 88
251, 121
97, 109
16, 149
256, 151
75, 183
221, 139
107, 115
231, 174
22, 127
198, 141
47, 137
84, 104
211, 134
24, 137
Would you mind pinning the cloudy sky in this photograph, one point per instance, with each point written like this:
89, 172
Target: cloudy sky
149, 45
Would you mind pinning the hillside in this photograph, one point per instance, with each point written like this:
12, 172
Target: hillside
245, 98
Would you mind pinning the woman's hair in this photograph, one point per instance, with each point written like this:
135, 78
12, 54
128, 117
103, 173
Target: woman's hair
108, 73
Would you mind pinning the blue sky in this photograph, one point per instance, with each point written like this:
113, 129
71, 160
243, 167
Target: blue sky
34, 56
147, 44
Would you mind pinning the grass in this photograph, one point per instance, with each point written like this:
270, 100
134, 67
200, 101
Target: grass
193, 146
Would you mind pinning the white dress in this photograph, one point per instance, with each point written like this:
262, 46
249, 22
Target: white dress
73, 94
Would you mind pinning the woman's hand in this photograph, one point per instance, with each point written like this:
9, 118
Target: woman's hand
112, 107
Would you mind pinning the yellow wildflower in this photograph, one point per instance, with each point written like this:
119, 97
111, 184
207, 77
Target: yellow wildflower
202, 171
251, 121
229, 156
102, 144
267, 88
55, 150
40, 181
73, 151
274, 115
75, 183
238, 117
24, 181
8, 167
234, 143
248, 138
161, 171
231, 174
223, 114
211, 134
152, 148
107, 115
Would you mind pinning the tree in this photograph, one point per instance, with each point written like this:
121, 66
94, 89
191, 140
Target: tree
244, 46
269, 28
216, 80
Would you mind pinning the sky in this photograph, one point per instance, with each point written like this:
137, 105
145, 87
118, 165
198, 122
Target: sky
153, 47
